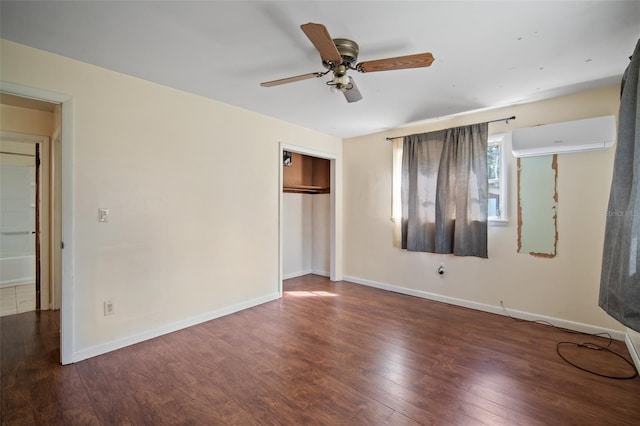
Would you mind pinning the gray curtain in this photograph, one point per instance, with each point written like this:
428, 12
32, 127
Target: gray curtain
620, 282
445, 190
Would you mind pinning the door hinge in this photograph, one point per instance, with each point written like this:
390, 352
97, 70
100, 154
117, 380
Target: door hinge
61, 244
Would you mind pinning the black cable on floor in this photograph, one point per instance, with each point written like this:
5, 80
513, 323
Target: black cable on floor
593, 346
586, 345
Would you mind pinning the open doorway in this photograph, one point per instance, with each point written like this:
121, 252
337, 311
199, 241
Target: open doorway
44, 120
26, 281
308, 217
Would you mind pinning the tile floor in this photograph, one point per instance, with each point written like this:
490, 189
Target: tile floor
17, 299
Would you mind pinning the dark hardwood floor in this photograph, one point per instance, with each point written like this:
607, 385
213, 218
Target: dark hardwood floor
327, 353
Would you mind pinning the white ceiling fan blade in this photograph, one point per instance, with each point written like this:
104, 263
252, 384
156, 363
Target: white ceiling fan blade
353, 94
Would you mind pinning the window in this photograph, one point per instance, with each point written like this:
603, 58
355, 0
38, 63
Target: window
396, 181
497, 175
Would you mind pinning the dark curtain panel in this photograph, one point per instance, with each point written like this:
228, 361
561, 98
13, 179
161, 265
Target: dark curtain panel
620, 282
445, 190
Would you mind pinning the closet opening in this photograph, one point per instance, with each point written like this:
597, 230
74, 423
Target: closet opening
307, 213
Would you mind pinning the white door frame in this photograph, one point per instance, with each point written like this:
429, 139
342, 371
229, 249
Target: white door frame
67, 335
335, 238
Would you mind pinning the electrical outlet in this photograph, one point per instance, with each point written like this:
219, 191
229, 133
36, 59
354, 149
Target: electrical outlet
109, 307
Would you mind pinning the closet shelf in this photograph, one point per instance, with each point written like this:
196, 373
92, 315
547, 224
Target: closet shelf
306, 174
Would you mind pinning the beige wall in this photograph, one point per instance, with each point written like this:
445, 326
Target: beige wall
24, 120
320, 231
297, 236
306, 239
565, 287
192, 186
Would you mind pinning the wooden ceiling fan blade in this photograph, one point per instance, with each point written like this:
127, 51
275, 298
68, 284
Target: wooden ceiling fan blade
353, 94
291, 79
319, 36
400, 62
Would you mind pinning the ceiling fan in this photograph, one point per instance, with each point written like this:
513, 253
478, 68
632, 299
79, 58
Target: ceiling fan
340, 55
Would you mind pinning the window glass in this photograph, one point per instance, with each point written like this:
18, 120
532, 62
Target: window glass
497, 176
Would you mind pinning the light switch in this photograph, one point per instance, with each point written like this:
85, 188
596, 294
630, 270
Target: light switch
103, 215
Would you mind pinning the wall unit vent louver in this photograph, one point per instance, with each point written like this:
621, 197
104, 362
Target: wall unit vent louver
570, 136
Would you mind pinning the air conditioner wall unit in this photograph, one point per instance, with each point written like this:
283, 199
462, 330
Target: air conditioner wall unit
570, 136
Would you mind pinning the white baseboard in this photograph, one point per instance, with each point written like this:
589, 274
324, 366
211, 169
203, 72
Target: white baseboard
169, 328
632, 351
570, 325
305, 272
289, 275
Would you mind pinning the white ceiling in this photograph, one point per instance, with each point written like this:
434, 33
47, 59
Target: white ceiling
487, 54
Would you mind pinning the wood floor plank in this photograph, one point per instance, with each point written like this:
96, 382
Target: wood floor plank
326, 353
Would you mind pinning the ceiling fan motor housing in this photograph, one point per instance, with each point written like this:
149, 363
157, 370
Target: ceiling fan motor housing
348, 50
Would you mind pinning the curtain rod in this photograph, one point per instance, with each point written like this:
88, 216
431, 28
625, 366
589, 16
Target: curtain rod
506, 119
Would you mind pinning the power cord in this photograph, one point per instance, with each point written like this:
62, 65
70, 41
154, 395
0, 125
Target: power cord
586, 345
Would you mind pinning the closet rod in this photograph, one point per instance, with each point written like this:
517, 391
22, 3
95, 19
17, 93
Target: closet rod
506, 119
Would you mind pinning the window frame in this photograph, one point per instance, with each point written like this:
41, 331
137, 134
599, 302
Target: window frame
503, 141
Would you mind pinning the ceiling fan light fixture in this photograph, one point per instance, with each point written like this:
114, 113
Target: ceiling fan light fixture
341, 83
